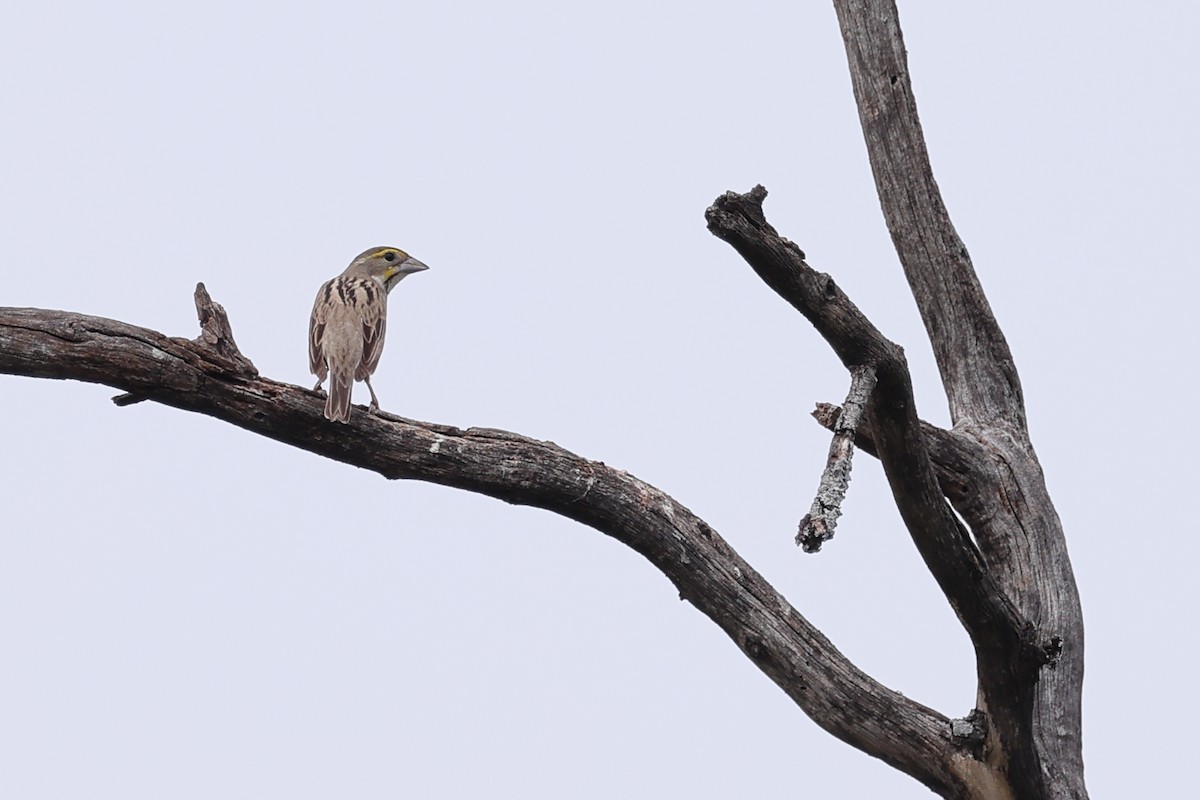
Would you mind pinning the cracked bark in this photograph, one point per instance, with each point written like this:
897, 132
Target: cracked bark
1008, 577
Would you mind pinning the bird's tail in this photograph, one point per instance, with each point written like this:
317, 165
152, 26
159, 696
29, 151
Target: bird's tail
337, 404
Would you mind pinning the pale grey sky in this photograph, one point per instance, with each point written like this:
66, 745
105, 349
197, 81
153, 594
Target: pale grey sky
189, 611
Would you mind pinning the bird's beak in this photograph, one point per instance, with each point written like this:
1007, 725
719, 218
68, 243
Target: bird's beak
409, 266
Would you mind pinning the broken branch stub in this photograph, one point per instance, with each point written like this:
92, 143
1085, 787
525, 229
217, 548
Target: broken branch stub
818, 525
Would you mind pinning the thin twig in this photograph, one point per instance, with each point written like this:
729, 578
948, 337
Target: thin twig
818, 524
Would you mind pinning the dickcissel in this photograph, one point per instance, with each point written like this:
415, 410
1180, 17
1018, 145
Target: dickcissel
345, 332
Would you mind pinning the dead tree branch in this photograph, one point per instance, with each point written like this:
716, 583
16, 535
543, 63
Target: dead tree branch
972, 354
993, 622
818, 524
959, 463
193, 376
216, 335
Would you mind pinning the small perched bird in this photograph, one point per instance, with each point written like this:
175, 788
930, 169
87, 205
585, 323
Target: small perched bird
345, 332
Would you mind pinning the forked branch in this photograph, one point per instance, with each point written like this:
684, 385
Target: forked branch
990, 618
1036, 726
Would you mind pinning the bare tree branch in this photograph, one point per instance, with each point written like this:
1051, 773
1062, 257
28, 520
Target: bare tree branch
819, 523
972, 354
960, 463
193, 376
1013, 640
993, 622
216, 335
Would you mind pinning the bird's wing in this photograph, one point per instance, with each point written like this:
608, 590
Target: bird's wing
374, 325
316, 330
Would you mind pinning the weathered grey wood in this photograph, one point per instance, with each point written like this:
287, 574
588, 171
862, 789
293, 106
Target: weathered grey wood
957, 461
819, 524
216, 335
1037, 731
1030, 686
991, 619
973, 357
1008, 577
193, 376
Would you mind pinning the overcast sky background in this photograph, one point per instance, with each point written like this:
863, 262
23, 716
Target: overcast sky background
191, 611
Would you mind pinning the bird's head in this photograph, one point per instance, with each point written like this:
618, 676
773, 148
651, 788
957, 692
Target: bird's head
388, 265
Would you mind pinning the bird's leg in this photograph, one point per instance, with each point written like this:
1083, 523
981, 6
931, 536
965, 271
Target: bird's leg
374, 400
318, 388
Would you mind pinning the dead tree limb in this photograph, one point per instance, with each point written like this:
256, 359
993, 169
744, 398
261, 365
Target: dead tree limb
993, 622
216, 335
192, 376
818, 525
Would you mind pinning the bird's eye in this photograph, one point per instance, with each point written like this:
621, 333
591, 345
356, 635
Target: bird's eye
389, 256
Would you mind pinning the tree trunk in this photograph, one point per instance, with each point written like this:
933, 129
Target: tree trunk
1035, 739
